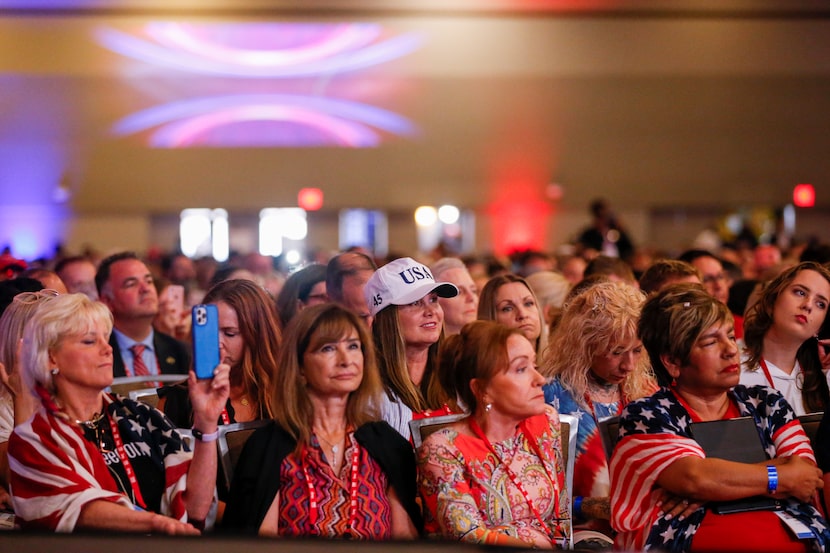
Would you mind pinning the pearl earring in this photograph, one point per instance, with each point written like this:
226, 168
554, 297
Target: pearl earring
55, 371
488, 407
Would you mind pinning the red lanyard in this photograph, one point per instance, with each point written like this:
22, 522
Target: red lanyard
128, 467
766, 373
314, 508
590, 403
512, 475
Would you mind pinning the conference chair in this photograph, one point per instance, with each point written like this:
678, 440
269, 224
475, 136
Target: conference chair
123, 385
147, 396
421, 428
569, 427
810, 423
609, 431
232, 438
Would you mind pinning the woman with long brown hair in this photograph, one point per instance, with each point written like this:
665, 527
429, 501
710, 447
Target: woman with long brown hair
249, 341
782, 334
408, 330
509, 300
325, 466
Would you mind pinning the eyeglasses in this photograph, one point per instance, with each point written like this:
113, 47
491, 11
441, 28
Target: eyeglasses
33, 297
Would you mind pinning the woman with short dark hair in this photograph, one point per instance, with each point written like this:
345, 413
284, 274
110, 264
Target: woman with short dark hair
690, 337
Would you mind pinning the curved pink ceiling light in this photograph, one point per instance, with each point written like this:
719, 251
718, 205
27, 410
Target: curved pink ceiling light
260, 50
198, 130
261, 45
306, 121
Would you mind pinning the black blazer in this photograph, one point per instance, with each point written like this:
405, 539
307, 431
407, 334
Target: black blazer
172, 355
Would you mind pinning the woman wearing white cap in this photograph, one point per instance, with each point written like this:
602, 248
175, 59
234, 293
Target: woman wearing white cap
408, 320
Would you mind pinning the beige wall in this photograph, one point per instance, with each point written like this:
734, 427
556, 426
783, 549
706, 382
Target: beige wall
109, 233
660, 231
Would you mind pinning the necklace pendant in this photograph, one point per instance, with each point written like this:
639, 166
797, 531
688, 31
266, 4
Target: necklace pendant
335, 449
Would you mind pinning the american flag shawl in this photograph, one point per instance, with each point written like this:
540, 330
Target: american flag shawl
654, 432
55, 471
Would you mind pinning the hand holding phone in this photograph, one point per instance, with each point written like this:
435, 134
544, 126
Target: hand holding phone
205, 319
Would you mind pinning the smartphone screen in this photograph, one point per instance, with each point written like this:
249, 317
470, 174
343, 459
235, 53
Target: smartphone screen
171, 304
173, 295
205, 340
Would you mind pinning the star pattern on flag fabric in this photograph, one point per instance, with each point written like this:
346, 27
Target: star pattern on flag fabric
666, 421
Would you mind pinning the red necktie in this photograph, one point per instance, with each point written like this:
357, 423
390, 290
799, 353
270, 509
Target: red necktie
139, 368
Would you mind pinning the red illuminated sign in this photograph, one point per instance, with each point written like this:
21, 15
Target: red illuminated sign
310, 199
804, 195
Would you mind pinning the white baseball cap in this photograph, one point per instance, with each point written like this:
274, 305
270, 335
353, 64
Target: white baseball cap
401, 282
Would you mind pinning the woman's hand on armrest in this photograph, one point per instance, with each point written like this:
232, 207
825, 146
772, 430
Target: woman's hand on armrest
402, 526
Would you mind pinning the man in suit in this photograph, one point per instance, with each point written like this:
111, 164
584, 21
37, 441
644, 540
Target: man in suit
125, 285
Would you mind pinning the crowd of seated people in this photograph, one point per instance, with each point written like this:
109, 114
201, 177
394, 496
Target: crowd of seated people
337, 359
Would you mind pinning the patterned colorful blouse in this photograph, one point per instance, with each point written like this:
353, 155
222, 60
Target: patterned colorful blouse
373, 515
469, 495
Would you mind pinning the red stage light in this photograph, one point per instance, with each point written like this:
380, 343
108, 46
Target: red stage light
310, 199
804, 195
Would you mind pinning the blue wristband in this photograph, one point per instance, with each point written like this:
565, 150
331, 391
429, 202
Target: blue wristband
772, 479
577, 507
